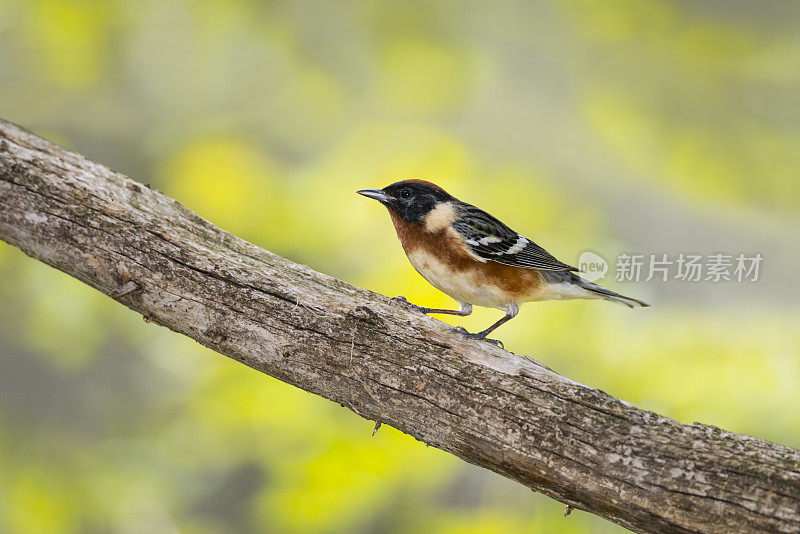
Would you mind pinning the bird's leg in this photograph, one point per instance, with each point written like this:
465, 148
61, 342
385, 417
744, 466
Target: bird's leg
511, 312
462, 311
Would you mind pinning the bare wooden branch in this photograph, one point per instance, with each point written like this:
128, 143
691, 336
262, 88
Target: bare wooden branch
383, 361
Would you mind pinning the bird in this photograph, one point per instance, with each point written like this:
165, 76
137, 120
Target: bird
476, 259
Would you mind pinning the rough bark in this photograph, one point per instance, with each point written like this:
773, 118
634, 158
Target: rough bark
385, 362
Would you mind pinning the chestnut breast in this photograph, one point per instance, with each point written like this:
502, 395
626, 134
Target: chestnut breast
442, 258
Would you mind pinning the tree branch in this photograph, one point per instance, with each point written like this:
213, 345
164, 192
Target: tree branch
383, 361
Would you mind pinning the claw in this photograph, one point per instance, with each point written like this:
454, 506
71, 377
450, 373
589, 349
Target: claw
402, 300
495, 342
469, 335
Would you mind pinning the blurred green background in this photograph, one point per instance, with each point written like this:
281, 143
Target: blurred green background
645, 126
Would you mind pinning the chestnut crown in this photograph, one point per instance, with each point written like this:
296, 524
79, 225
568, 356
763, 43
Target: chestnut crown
412, 200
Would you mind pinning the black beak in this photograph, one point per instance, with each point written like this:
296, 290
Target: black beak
377, 194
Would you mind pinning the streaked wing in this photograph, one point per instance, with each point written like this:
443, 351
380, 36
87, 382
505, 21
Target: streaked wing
490, 239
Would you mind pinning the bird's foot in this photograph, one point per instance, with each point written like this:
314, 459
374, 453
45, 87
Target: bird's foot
495, 342
478, 335
402, 300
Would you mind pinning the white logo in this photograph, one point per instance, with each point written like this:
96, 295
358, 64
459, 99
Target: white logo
593, 267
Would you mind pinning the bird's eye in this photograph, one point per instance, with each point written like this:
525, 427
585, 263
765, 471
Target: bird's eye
405, 193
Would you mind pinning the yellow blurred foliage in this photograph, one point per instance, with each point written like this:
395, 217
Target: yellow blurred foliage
72, 40
418, 77
231, 183
36, 505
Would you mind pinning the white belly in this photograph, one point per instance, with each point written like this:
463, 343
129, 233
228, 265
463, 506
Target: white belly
462, 286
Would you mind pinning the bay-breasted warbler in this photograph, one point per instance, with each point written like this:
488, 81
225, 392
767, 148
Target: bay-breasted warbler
476, 259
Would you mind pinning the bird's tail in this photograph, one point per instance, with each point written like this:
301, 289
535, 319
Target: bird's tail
607, 294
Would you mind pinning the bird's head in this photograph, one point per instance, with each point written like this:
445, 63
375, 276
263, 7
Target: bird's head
411, 200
